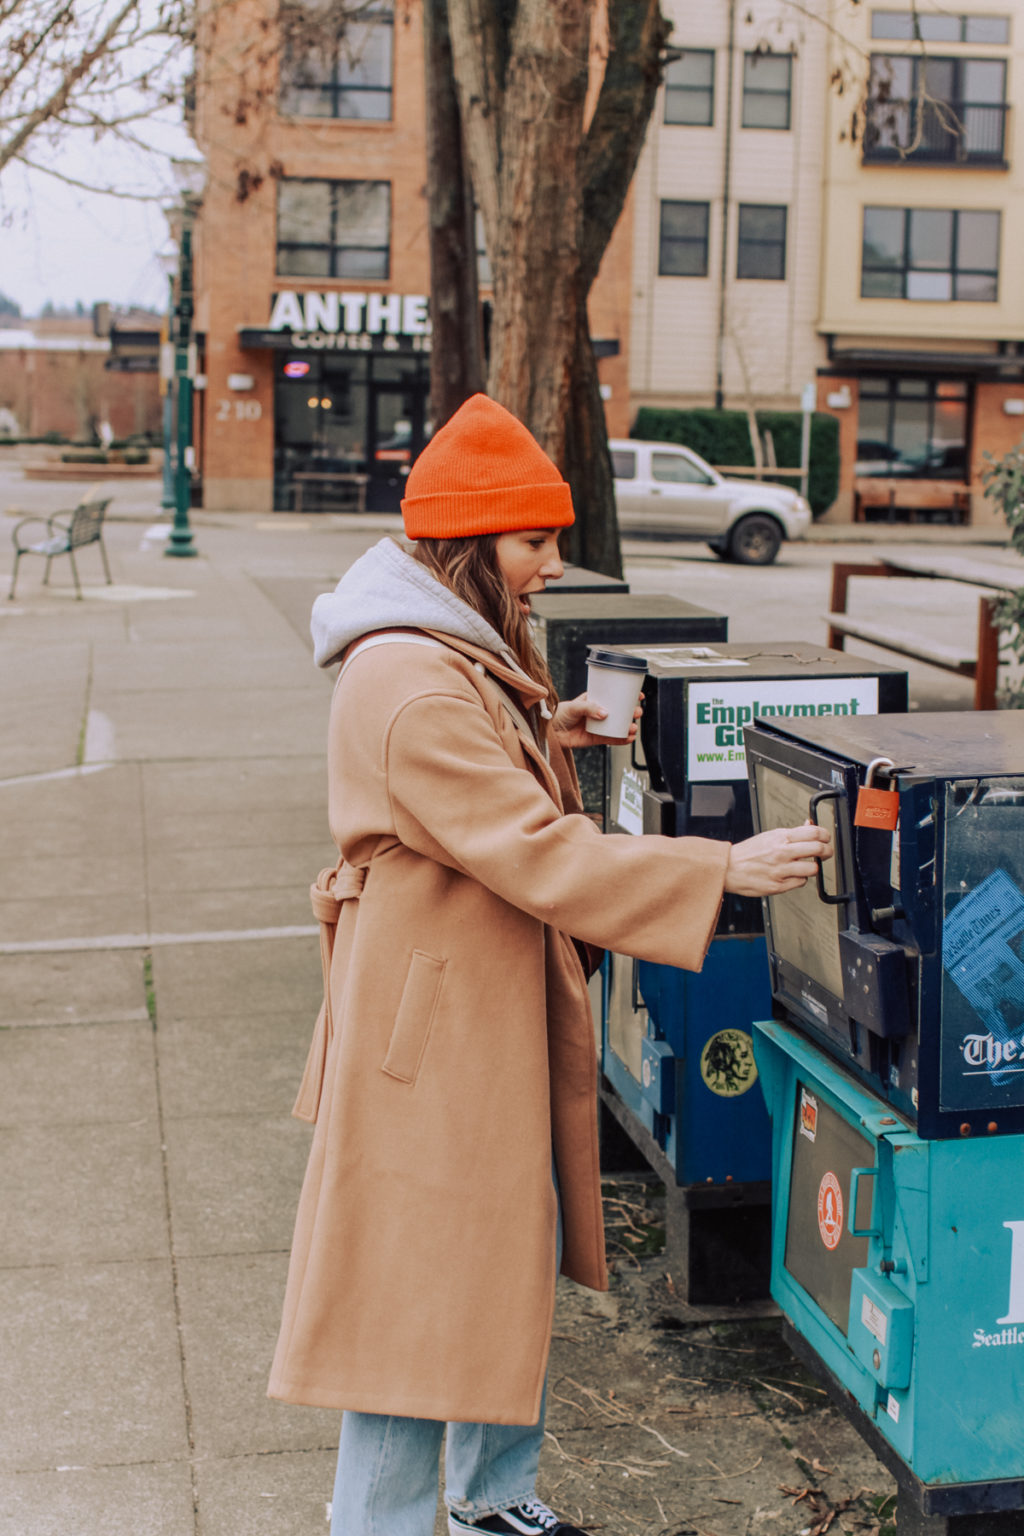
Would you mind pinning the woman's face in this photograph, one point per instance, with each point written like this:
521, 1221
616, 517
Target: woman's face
528, 560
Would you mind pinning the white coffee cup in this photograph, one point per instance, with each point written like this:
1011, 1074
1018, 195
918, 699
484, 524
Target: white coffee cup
614, 680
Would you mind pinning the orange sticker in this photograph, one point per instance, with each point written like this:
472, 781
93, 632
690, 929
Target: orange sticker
830, 1211
808, 1115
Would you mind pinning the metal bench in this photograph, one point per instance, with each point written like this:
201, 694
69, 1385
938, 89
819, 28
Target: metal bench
65, 532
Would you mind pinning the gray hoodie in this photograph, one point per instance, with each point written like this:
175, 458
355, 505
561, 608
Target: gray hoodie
388, 589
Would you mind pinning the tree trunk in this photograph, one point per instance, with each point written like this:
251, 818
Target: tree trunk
456, 360
524, 151
550, 191
593, 540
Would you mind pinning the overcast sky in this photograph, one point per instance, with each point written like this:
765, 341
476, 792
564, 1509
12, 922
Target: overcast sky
63, 244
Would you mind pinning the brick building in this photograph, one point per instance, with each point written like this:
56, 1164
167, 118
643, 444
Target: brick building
56, 377
312, 271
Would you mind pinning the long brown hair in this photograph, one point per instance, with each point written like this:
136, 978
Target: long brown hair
469, 568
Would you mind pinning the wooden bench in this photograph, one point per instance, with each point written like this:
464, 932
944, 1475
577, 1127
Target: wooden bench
981, 664
915, 497
349, 489
65, 532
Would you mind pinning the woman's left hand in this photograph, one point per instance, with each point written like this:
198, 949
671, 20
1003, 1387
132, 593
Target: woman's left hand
570, 723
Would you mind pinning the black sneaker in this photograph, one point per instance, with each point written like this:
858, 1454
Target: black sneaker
531, 1518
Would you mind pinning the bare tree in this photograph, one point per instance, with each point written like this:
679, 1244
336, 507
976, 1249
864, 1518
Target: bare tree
113, 68
102, 69
550, 177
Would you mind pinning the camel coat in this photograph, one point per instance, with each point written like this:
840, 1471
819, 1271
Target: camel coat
459, 1047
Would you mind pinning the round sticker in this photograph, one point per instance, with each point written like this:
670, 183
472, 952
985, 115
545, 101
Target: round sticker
727, 1063
830, 1211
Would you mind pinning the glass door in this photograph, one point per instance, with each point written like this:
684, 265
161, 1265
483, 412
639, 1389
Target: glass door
397, 431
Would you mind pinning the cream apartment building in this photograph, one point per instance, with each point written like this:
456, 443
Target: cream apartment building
728, 210
788, 231
922, 306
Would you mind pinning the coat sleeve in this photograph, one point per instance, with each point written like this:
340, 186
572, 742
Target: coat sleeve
456, 796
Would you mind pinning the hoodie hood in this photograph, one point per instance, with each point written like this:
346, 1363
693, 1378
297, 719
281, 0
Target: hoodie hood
388, 589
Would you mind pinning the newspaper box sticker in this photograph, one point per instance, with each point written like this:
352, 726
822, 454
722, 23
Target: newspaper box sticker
727, 1063
808, 1115
876, 807
830, 1211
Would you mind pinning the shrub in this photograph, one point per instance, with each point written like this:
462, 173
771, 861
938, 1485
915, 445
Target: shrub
723, 437
1003, 480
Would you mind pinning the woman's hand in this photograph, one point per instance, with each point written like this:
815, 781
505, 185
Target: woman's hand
570, 723
776, 861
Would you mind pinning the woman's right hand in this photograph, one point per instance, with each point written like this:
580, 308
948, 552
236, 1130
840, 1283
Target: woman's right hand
780, 860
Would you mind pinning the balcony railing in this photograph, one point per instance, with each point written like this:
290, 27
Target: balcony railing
938, 133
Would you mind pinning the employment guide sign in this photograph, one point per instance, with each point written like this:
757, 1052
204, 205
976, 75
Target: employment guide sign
717, 713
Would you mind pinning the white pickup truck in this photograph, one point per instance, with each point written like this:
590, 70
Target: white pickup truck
663, 488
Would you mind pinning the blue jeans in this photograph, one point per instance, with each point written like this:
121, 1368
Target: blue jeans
387, 1478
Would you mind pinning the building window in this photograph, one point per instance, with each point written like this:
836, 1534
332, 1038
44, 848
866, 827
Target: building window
935, 254
761, 248
347, 76
915, 26
683, 244
767, 87
334, 229
690, 88
913, 427
935, 109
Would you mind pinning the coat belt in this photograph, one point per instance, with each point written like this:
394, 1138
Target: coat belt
331, 889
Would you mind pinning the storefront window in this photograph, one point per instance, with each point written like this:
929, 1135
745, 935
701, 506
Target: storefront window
913, 427
347, 429
344, 76
334, 229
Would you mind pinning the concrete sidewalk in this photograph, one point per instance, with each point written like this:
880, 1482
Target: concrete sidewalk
162, 813
162, 804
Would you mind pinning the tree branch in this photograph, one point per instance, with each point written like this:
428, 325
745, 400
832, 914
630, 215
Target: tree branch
58, 99
73, 181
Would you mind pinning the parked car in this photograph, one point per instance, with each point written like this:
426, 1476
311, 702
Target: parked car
662, 488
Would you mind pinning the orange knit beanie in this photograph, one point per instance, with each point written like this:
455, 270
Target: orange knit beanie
483, 473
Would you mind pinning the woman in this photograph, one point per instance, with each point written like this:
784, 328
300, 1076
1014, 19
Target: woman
453, 1074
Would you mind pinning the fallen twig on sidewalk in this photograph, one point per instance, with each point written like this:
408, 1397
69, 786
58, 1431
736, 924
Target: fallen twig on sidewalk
650, 1430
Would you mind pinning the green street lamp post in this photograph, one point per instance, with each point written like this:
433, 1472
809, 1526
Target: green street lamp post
180, 542
167, 501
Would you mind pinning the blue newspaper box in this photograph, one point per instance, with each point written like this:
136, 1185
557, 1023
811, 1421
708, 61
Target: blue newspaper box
677, 1053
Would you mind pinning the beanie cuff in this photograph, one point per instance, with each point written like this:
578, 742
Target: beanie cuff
507, 509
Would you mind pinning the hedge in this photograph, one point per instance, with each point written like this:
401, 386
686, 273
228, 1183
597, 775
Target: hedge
723, 437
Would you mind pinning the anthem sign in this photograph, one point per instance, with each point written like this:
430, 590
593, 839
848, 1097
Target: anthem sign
344, 322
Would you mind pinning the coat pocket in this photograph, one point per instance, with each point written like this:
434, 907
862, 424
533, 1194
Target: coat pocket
414, 1018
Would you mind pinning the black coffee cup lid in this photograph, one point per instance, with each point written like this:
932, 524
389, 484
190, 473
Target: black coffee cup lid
621, 659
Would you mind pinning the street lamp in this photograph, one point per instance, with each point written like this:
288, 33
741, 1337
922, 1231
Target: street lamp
168, 261
190, 176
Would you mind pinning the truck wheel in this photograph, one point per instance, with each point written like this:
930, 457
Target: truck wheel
755, 540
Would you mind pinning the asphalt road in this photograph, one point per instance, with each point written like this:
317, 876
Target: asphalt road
787, 601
